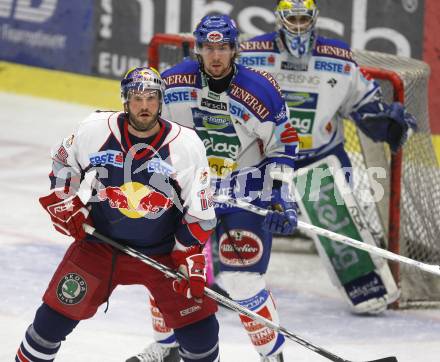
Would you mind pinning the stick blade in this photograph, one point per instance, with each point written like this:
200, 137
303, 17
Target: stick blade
386, 359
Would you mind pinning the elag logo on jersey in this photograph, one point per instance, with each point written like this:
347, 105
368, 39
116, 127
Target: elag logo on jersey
214, 37
245, 249
302, 121
218, 106
71, 289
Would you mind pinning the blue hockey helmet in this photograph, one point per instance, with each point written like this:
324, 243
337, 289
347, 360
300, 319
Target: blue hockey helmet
141, 79
216, 29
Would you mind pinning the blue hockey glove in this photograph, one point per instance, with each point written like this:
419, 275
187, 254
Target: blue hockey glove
402, 127
385, 123
282, 216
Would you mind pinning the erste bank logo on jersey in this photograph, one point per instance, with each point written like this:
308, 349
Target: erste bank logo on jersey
108, 157
181, 95
252, 61
334, 67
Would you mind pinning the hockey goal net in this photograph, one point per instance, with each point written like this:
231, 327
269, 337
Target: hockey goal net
407, 217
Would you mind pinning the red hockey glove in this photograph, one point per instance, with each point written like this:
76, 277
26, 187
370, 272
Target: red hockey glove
67, 215
192, 264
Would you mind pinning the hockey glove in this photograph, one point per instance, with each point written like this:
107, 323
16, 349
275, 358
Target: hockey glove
402, 127
67, 215
282, 214
192, 264
389, 123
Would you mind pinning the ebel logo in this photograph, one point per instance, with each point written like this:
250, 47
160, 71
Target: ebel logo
219, 106
24, 10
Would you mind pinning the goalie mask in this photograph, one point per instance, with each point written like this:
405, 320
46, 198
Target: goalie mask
296, 21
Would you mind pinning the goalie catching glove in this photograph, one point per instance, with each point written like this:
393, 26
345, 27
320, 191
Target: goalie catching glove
67, 215
191, 263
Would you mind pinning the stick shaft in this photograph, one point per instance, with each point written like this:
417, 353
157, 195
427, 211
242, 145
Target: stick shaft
216, 296
430, 268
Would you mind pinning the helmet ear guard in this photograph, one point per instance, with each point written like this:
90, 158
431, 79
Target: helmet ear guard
141, 79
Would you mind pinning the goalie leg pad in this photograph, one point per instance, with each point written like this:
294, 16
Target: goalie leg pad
327, 201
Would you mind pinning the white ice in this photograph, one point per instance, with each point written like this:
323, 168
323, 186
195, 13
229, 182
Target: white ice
30, 251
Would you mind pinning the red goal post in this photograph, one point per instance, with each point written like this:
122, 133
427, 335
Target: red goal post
410, 227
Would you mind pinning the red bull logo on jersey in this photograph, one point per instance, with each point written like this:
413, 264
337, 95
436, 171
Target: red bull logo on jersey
135, 200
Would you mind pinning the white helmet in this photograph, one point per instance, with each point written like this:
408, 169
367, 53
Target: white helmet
296, 20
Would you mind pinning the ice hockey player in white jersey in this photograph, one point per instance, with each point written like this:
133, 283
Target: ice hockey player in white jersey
148, 186
322, 84
240, 115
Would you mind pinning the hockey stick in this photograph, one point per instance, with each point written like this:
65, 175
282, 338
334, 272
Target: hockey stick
223, 300
430, 268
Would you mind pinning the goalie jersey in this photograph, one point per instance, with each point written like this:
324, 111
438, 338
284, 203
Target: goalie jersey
320, 91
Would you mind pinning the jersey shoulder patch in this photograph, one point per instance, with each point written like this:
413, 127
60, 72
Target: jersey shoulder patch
333, 48
182, 74
260, 43
258, 91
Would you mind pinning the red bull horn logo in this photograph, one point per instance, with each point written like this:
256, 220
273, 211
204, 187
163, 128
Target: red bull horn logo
135, 200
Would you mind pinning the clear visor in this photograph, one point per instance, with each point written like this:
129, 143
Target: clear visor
296, 23
139, 94
211, 48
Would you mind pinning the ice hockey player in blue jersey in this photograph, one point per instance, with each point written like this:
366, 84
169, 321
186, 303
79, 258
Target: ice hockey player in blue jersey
322, 85
143, 181
240, 116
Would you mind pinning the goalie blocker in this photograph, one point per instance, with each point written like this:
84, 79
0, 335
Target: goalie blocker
326, 200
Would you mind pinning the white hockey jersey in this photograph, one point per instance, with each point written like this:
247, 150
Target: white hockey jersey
145, 195
319, 92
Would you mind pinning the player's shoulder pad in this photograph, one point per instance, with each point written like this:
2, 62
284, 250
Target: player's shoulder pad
97, 117
182, 74
258, 91
187, 144
260, 43
96, 121
333, 48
